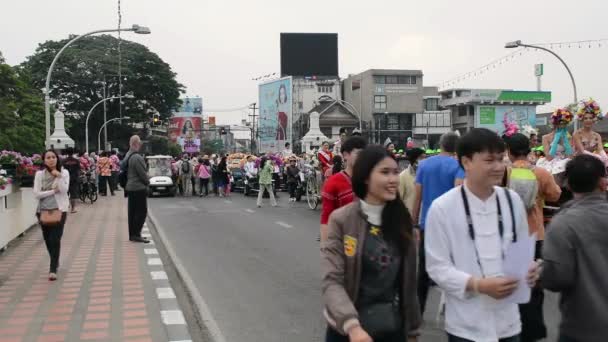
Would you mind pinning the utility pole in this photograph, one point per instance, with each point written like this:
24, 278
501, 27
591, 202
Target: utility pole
253, 131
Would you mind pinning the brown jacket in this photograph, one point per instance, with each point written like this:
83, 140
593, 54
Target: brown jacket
341, 267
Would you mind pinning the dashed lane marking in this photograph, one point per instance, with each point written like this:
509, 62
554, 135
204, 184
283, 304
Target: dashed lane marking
173, 317
284, 225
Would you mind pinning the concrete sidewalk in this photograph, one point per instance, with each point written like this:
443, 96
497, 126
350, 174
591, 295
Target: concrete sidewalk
109, 289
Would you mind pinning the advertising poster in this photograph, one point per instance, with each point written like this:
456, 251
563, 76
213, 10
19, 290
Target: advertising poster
186, 131
491, 117
275, 115
190, 106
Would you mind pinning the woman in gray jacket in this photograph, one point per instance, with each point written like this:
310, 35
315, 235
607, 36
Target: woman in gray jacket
369, 259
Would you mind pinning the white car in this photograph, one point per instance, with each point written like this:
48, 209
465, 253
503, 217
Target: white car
159, 171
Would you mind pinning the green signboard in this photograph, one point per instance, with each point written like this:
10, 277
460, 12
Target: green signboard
487, 115
525, 96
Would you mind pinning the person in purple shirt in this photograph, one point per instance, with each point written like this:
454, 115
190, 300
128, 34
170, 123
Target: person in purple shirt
435, 176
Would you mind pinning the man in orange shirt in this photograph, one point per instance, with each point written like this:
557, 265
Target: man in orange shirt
533, 327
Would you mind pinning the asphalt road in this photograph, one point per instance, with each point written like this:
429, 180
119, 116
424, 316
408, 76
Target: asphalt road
258, 268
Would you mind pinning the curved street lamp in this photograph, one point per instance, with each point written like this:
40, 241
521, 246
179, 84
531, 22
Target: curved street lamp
518, 43
86, 123
104, 125
47, 106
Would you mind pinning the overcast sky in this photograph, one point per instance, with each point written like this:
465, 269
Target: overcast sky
216, 47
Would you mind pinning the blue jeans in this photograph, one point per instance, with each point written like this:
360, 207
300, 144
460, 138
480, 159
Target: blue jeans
452, 338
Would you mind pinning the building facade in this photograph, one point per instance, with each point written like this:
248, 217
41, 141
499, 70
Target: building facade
395, 105
489, 108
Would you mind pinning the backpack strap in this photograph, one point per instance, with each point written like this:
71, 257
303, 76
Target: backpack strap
126, 164
510, 201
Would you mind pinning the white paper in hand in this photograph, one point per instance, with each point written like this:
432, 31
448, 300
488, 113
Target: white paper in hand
517, 262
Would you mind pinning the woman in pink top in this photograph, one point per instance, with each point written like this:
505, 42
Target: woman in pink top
204, 173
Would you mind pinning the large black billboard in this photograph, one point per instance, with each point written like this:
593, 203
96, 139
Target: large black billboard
309, 54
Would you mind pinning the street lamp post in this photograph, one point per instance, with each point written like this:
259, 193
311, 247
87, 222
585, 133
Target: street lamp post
518, 43
86, 123
103, 126
47, 106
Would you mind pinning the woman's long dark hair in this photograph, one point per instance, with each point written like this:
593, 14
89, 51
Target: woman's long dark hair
337, 164
58, 166
396, 220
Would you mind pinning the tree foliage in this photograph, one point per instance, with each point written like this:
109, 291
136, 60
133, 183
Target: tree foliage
21, 112
148, 84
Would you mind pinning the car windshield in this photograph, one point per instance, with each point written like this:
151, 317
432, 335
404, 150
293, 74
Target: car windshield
159, 167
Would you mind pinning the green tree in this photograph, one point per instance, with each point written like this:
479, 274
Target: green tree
148, 85
21, 112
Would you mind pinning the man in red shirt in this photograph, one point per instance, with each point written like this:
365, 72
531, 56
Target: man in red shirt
337, 190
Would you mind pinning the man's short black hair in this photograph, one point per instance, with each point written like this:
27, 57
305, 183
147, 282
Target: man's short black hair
353, 143
69, 151
479, 140
518, 144
584, 173
448, 142
287, 144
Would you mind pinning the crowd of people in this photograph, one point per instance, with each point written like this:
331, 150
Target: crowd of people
470, 220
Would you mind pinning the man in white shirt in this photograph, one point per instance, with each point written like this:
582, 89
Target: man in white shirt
468, 230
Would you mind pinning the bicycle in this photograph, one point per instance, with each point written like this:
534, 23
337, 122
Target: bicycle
88, 188
313, 192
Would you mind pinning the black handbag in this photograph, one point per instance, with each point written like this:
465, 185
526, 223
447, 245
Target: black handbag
380, 319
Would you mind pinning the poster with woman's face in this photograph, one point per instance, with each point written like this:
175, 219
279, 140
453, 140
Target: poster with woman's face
186, 131
275, 115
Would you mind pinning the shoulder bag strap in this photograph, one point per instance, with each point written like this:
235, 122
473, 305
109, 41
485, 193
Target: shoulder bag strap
510, 201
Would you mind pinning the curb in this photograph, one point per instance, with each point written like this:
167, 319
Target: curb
204, 317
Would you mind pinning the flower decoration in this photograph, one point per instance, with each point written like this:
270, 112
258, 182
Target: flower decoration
589, 107
561, 117
511, 127
10, 157
4, 181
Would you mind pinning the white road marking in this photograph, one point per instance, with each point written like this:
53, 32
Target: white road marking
251, 211
154, 262
159, 275
150, 251
165, 293
146, 230
146, 235
227, 201
172, 317
284, 225
151, 242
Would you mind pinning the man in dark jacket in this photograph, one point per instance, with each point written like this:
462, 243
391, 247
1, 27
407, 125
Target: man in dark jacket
136, 189
73, 166
575, 254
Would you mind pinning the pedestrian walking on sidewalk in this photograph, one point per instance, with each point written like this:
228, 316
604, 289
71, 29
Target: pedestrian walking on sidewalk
136, 189
72, 164
223, 178
115, 161
369, 257
266, 170
575, 254
104, 170
51, 185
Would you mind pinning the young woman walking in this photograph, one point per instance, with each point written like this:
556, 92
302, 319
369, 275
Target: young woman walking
51, 186
204, 173
369, 259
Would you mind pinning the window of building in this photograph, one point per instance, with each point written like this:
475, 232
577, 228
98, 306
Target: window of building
462, 110
325, 89
300, 105
431, 104
379, 79
380, 102
392, 79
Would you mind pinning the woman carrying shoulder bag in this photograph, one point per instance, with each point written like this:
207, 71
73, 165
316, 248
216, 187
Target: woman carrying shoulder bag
51, 186
369, 259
